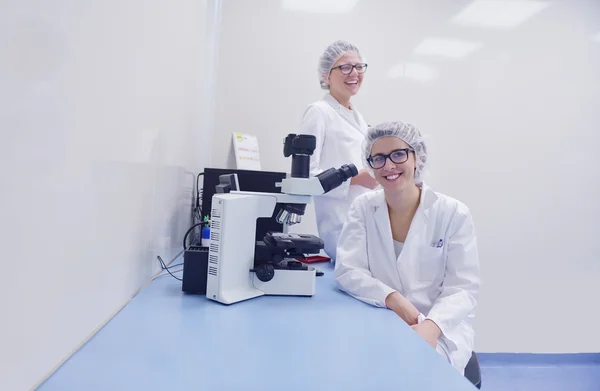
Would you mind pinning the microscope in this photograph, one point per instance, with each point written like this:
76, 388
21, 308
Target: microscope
241, 268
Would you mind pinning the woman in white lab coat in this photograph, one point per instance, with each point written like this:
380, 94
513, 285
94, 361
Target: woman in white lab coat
410, 249
339, 130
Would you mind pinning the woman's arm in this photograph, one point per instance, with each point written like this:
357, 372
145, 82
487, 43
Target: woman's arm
461, 284
352, 268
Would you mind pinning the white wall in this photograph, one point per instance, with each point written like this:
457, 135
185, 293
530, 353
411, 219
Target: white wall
513, 130
100, 136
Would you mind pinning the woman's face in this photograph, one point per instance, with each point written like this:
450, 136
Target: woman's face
393, 176
345, 86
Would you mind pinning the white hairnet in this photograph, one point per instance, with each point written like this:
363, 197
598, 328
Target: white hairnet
330, 57
406, 132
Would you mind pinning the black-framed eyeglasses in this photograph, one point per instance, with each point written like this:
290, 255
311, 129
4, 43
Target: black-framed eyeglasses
397, 156
346, 69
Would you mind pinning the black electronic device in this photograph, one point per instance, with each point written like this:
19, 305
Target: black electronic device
195, 267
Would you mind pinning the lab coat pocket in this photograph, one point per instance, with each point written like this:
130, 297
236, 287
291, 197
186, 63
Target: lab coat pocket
430, 263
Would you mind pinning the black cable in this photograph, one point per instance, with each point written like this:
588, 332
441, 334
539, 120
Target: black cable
196, 212
164, 266
188, 232
198, 189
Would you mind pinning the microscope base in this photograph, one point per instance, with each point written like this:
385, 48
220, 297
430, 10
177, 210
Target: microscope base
287, 282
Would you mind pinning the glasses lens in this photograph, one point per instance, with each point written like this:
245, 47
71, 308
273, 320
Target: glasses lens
346, 69
399, 156
361, 68
377, 161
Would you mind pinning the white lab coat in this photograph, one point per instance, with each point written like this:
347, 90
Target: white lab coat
339, 133
441, 278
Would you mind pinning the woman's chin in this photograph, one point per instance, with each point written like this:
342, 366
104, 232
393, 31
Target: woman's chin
353, 90
395, 185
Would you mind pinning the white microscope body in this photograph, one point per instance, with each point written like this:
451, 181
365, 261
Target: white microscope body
239, 268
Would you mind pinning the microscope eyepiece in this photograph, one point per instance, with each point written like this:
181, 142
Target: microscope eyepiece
332, 178
348, 171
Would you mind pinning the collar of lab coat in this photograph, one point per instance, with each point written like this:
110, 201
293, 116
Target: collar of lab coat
333, 102
343, 113
382, 218
428, 198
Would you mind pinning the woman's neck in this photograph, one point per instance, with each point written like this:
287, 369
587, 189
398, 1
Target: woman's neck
405, 202
344, 101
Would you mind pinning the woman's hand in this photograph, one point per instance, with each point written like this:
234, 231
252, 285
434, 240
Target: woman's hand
429, 331
364, 179
403, 308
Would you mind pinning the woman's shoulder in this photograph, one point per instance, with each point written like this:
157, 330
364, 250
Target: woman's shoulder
313, 112
369, 199
449, 205
320, 107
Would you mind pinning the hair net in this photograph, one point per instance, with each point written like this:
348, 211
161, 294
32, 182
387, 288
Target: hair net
406, 132
330, 57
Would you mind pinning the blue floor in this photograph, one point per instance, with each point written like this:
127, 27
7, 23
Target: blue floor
518, 372
136, 349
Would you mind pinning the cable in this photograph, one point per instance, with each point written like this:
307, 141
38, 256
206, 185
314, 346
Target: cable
170, 267
162, 264
198, 189
166, 274
188, 232
197, 211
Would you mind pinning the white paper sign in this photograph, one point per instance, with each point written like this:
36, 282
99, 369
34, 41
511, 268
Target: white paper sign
246, 151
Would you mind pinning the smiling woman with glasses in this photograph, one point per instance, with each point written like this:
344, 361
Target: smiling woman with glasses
339, 129
410, 249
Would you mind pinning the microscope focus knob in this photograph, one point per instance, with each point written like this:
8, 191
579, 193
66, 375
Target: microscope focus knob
265, 272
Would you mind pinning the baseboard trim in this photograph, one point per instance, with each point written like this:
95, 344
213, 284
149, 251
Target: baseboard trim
535, 359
